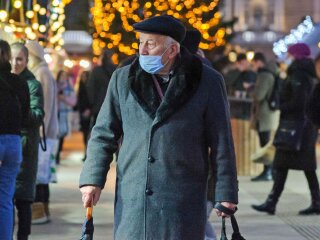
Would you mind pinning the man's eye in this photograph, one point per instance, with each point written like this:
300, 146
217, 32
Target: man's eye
151, 45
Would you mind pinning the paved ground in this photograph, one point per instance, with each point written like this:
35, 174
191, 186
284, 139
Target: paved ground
68, 214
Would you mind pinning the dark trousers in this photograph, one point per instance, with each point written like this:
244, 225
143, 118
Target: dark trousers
24, 218
61, 140
42, 193
280, 177
264, 138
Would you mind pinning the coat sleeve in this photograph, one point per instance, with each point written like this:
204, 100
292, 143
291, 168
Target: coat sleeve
220, 141
263, 86
104, 139
24, 98
50, 96
36, 113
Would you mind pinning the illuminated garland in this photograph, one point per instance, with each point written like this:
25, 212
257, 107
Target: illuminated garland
113, 20
31, 19
296, 35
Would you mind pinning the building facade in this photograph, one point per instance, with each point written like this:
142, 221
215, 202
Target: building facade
262, 22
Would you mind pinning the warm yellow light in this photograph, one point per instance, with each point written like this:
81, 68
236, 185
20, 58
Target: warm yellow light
30, 14
3, 15
42, 28
61, 41
54, 16
42, 11
55, 3
318, 44
17, 4
250, 55
28, 30
8, 29
232, 57
32, 36
68, 63
35, 26
36, 7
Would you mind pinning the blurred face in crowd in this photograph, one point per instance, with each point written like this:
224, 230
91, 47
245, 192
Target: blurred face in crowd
63, 80
242, 65
256, 64
19, 61
159, 45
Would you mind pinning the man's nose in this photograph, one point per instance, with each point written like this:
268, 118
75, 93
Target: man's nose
143, 49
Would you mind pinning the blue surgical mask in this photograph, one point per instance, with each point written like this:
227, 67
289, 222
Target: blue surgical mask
152, 64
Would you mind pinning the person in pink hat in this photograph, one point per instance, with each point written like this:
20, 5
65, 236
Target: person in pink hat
293, 106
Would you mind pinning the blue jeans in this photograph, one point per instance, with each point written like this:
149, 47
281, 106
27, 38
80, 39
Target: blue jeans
10, 157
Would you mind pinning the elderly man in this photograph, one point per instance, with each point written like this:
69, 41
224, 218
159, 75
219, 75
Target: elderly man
169, 109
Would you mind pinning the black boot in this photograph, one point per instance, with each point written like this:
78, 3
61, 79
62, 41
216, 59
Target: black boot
266, 175
22, 237
269, 206
315, 204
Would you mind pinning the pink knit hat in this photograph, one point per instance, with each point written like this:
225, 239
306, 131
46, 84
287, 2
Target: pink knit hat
299, 50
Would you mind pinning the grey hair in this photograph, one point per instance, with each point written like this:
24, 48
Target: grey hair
169, 40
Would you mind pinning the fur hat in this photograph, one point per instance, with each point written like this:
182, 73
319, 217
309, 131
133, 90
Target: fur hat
35, 49
163, 25
299, 50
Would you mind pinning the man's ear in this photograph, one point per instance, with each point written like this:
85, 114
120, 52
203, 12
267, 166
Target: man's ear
173, 51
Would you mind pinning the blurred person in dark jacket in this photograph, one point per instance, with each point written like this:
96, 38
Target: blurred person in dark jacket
98, 82
314, 106
38, 66
14, 113
191, 43
294, 98
26, 179
241, 78
83, 106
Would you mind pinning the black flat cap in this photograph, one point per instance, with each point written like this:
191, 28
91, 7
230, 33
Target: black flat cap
163, 25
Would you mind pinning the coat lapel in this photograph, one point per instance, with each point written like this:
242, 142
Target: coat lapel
183, 85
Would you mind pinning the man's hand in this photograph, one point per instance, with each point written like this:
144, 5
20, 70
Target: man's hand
229, 205
90, 193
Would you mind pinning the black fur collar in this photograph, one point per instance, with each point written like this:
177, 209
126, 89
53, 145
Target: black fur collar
182, 86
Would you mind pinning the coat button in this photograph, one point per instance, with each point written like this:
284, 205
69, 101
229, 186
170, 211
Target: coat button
151, 159
149, 192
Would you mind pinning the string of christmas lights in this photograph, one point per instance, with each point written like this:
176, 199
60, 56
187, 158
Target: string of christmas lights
113, 20
35, 19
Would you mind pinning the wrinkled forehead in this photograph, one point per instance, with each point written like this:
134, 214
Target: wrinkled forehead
144, 36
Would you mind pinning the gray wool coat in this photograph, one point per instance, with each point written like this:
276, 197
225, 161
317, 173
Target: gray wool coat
162, 168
